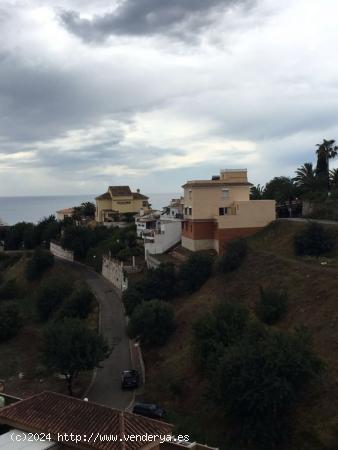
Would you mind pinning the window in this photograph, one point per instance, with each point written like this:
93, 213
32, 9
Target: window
190, 211
190, 194
225, 193
144, 203
223, 211
186, 211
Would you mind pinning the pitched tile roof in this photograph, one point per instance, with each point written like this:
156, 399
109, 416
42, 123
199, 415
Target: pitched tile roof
105, 196
138, 196
54, 413
120, 191
66, 211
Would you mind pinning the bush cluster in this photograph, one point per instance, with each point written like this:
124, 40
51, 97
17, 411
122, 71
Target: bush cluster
152, 323
234, 255
90, 244
272, 306
78, 305
255, 373
314, 240
9, 290
51, 294
11, 321
151, 319
195, 271
41, 261
24, 235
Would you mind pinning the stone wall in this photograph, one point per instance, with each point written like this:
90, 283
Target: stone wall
60, 252
113, 270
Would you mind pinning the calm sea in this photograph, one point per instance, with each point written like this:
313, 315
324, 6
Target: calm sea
32, 209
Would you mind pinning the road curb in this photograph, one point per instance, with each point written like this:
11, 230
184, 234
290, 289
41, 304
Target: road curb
94, 375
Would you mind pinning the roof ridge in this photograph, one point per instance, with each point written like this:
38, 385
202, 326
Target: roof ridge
59, 394
122, 431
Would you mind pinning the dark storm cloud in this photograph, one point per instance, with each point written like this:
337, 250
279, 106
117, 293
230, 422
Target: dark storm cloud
181, 18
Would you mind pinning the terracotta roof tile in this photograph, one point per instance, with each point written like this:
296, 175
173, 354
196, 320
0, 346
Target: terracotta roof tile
120, 191
54, 413
105, 196
138, 196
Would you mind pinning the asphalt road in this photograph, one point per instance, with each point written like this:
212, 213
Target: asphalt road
106, 386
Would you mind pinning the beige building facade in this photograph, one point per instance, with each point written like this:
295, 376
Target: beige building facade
119, 200
220, 209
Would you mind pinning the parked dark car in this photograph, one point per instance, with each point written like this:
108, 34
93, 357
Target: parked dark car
149, 410
130, 379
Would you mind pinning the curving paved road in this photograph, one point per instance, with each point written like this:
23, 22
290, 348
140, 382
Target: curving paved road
106, 387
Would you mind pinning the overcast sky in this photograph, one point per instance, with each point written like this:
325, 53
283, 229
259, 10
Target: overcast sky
154, 92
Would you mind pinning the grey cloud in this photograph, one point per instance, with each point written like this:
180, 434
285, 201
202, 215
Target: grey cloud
180, 18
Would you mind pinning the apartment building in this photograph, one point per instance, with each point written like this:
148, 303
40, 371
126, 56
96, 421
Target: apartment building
220, 209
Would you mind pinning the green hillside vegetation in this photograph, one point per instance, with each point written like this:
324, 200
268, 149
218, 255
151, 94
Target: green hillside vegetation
27, 307
306, 292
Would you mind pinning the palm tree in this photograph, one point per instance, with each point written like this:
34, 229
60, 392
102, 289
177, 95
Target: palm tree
257, 192
305, 178
88, 209
326, 151
334, 177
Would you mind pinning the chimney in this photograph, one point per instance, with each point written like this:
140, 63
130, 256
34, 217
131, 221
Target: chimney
138, 191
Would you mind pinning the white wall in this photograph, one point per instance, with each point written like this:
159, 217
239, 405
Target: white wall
171, 232
60, 252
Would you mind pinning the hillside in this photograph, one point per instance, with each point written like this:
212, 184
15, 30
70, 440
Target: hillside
20, 364
312, 289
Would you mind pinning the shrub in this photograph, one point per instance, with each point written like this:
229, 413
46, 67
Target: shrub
225, 325
314, 240
152, 323
133, 297
259, 380
8, 260
9, 290
51, 294
195, 271
160, 283
235, 253
79, 304
11, 321
39, 263
124, 254
272, 307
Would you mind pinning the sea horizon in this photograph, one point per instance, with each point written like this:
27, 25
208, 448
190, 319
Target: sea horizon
33, 208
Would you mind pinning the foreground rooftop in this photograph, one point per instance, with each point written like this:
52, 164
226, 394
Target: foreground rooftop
58, 414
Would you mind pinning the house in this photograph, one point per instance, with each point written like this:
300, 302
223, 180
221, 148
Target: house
58, 417
146, 222
175, 208
165, 235
220, 209
161, 231
54, 421
119, 200
65, 213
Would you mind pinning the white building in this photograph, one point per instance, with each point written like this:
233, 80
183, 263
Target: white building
175, 208
166, 234
146, 222
64, 213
